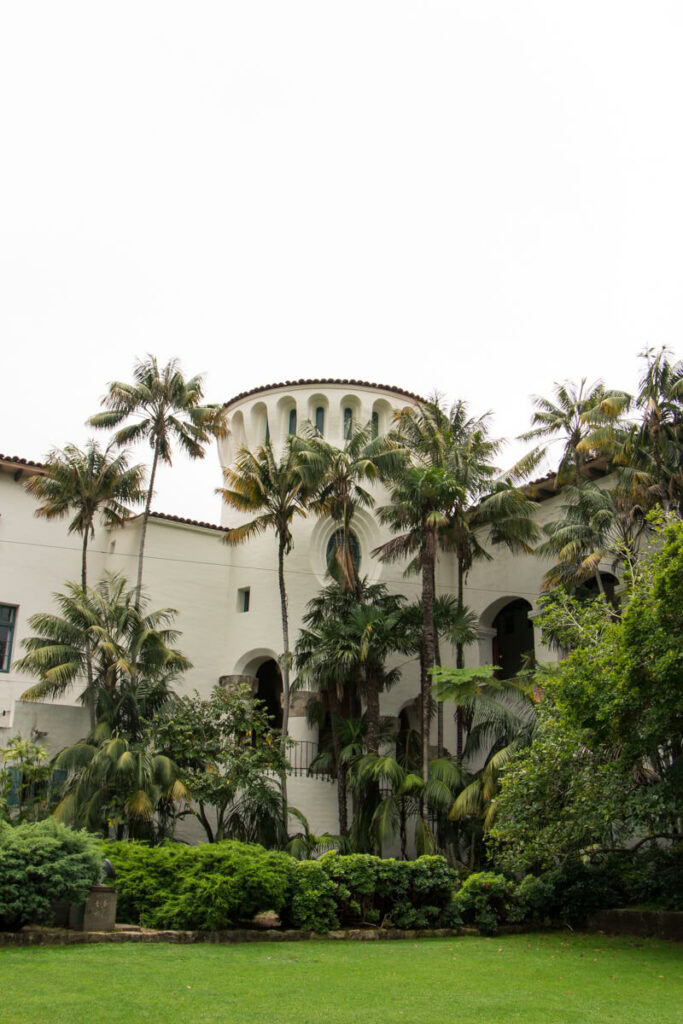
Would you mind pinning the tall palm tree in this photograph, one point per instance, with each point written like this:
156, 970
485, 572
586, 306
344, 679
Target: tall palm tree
420, 503
86, 483
565, 418
166, 408
338, 477
134, 662
274, 492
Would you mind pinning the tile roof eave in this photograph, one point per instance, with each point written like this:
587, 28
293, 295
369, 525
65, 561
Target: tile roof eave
305, 382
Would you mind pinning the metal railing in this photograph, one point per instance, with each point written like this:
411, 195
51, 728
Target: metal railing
301, 755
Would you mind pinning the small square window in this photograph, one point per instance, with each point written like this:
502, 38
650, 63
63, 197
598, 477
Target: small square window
243, 599
8, 614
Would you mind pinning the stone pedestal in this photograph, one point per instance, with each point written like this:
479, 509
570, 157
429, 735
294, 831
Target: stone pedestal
98, 913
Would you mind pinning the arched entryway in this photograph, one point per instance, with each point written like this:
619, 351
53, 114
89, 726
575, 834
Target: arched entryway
269, 690
513, 637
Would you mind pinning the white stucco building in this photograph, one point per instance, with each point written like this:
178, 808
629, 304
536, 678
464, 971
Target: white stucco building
227, 597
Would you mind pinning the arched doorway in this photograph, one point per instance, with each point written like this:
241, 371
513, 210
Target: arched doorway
513, 637
269, 690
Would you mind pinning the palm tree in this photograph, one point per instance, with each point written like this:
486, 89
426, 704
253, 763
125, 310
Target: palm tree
595, 524
420, 502
87, 483
502, 719
452, 622
647, 450
114, 782
336, 478
482, 500
133, 661
166, 408
274, 492
342, 650
566, 418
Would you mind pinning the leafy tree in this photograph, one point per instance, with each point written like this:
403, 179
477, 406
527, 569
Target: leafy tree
134, 662
86, 484
274, 492
226, 755
607, 765
166, 408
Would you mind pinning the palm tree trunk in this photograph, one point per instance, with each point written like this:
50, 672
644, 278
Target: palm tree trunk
333, 702
285, 668
460, 663
428, 557
143, 531
372, 711
92, 710
439, 705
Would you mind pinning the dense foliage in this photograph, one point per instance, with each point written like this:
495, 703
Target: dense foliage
230, 761
211, 886
605, 771
41, 863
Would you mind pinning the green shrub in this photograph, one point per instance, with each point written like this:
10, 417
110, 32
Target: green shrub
578, 890
485, 900
207, 887
313, 899
404, 894
41, 863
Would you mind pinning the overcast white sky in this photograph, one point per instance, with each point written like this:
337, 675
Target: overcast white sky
482, 197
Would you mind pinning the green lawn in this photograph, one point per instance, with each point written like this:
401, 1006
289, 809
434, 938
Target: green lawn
553, 978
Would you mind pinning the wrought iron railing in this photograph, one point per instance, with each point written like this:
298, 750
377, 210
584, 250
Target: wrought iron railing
301, 755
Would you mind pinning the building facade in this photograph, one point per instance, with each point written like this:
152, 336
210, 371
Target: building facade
227, 597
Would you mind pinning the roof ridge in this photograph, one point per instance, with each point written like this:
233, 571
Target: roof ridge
323, 380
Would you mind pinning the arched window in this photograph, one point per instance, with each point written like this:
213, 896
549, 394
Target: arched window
320, 420
513, 639
292, 421
375, 424
267, 431
348, 422
336, 541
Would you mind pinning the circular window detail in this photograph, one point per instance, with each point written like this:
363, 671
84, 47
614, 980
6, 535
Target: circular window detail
335, 543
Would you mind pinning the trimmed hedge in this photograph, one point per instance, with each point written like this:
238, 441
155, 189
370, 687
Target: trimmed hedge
207, 887
42, 863
398, 893
216, 885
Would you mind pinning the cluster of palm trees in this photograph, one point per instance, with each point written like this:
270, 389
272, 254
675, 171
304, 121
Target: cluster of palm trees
445, 495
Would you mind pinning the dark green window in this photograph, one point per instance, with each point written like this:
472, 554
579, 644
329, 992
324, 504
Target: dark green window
320, 420
348, 422
292, 421
267, 432
8, 614
336, 541
375, 424
243, 599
